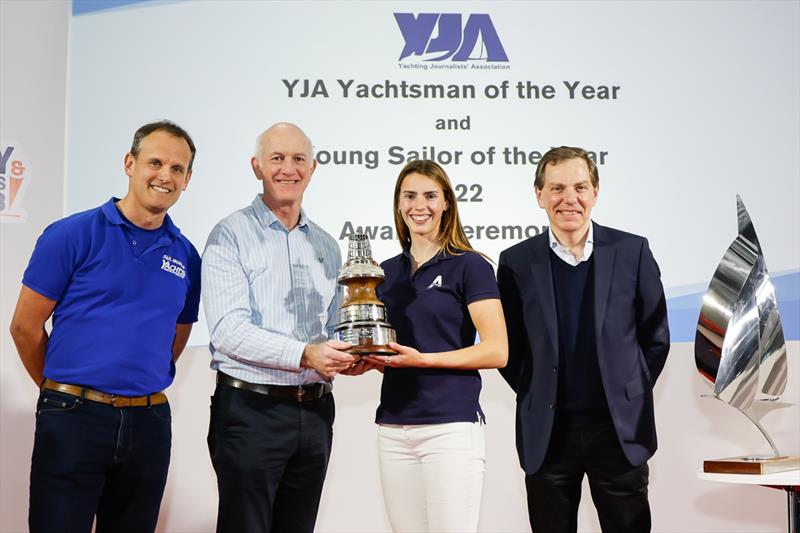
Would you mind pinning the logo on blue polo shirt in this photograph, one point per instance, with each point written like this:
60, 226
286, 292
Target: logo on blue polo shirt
437, 282
173, 266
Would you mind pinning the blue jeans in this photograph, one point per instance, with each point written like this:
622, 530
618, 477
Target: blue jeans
91, 458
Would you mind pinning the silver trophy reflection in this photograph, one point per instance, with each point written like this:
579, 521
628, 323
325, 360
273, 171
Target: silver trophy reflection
739, 344
362, 320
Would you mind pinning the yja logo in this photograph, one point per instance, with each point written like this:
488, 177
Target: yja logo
476, 40
13, 174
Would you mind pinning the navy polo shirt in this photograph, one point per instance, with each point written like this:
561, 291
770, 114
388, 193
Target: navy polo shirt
116, 305
429, 311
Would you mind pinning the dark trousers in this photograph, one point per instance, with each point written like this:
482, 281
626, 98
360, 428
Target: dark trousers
271, 456
619, 490
91, 458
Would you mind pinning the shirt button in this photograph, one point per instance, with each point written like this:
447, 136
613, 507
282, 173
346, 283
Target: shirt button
133, 243
551, 405
555, 370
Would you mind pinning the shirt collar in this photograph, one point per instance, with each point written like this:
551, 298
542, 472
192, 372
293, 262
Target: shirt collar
564, 253
114, 216
267, 218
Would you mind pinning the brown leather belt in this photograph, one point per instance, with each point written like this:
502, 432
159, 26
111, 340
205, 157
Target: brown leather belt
296, 393
103, 397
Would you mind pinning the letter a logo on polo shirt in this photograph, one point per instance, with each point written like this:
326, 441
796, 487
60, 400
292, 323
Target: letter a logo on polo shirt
437, 282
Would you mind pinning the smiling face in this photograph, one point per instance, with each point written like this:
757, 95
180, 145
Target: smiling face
158, 174
568, 197
421, 203
284, 164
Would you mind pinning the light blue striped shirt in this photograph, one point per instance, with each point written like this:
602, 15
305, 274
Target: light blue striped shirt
267, 293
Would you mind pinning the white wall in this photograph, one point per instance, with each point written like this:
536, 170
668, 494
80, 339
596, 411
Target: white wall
33, 63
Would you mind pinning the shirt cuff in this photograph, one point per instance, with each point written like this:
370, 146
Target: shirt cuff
292, 354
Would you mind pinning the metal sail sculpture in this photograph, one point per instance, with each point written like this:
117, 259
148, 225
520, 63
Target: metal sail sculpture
739, 344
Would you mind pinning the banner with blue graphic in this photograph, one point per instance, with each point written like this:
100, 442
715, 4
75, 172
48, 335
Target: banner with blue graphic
680, 114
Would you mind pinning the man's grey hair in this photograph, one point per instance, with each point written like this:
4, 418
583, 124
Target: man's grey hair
260, 139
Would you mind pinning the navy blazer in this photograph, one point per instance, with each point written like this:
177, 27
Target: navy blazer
631, 331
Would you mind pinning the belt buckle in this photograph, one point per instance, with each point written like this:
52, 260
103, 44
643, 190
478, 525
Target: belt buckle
118, 401
301, 393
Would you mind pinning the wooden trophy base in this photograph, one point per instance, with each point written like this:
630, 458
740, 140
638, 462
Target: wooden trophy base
746, 465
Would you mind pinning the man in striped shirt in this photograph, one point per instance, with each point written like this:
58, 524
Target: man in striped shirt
270, 295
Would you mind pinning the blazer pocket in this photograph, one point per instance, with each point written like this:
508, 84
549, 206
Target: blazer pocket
636, 387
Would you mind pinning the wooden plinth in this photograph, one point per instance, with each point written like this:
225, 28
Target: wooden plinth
739, 465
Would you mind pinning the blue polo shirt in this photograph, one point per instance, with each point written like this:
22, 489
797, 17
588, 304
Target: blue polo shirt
116, 304
429, 311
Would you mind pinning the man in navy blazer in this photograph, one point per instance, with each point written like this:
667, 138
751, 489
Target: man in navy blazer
588, 337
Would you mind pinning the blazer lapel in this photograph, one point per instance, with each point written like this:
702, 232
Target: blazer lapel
604, 254
542, 276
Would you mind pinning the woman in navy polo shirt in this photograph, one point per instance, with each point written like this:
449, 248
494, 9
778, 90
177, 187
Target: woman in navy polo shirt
437, 292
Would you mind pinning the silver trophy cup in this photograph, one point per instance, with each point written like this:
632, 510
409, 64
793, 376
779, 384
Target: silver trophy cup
361, 320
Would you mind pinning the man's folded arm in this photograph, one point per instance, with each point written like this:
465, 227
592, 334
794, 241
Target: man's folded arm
28, 331
182, 332
651, 314
515, 327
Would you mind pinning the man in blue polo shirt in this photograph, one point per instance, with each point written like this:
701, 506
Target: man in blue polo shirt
123, 287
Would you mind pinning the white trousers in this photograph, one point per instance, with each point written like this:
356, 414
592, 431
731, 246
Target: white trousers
432, 476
